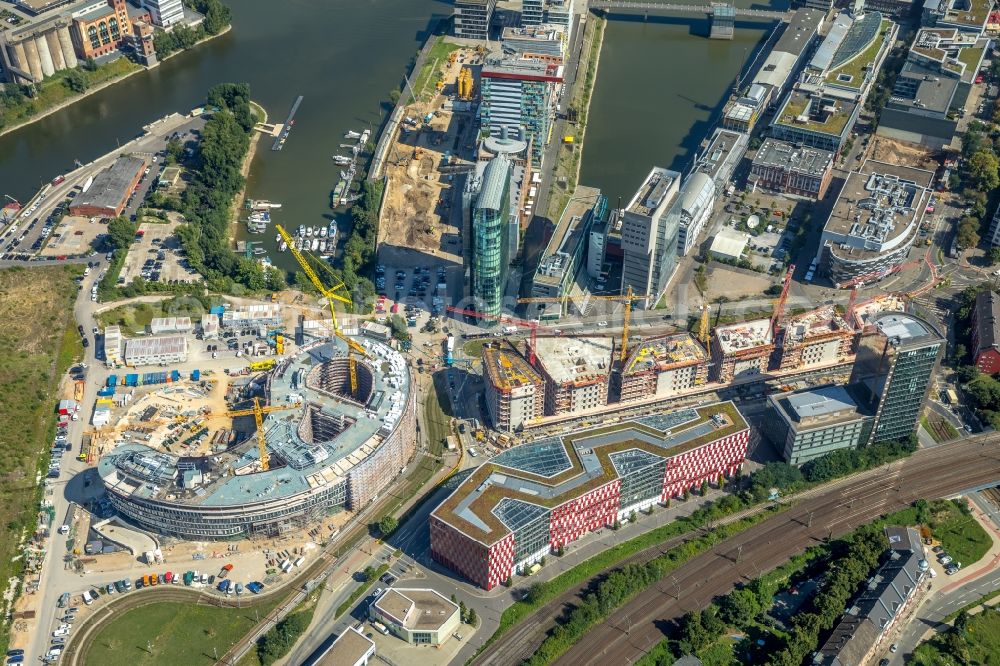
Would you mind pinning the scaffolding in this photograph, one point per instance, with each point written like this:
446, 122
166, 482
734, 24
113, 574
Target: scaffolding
814, 338
657, 367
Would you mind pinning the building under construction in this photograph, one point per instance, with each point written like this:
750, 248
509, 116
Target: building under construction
864, 313
742, 349
663, 366
576, 372
818, 337
515, 393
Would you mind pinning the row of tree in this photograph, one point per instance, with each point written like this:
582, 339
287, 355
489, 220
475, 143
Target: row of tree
182, 37
980, 174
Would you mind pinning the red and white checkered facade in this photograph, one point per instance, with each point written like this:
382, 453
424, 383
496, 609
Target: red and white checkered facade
501, 563
489, 566
586, 513
705, 463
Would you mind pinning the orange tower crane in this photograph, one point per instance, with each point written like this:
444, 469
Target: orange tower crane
779, 307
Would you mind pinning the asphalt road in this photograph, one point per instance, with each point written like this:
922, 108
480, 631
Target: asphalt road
635, 628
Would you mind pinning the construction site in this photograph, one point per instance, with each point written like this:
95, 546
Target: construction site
576, 371
816, 338
438, 127
515, 393
663, 366
742, 349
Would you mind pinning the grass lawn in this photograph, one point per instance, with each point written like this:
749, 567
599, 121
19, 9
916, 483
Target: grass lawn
36, 307
474, 348
437, 422
423, 82
978, 644
180, 633
960, 534
55, 91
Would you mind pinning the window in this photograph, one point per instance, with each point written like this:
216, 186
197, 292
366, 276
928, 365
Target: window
115, 33
103, 28
421, 638
92, 35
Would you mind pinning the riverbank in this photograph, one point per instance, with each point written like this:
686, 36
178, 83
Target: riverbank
101, 86
569, 157
245, 170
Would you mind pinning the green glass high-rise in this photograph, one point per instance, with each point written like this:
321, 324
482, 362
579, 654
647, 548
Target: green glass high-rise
895, 366
490, 241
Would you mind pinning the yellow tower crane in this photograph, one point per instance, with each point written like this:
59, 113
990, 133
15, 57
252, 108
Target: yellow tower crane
331, 295
703, 330
628, 297
258, 415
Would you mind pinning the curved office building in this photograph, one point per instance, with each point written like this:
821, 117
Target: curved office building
338, 451
491, 220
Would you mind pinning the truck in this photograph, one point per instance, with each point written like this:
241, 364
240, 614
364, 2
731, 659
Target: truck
509, 330
225, 570
380, 628
257, 366
449, 350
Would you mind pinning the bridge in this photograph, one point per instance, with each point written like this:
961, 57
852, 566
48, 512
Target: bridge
654, 7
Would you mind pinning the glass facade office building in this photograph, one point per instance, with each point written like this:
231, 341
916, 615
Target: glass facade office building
490, 242
895, 367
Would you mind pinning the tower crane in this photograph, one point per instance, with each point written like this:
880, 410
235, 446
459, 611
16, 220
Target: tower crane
704, 330
779, 307
628, 297
258, 412
330, 294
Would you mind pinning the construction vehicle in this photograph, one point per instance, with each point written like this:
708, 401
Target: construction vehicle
331, 294
266, 364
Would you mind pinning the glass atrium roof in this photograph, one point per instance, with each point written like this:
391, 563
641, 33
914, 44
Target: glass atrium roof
626, 462
546, 457
515, 514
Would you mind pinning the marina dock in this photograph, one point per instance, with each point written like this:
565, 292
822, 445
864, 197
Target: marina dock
279, 140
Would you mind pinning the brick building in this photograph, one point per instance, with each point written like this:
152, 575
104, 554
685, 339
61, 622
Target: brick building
789, 169
102, 28
109, 193
985, 344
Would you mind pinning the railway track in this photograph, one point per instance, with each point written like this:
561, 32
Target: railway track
831, 509
521, 642
634, 628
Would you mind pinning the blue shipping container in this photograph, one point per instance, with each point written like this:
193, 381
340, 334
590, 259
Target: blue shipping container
195, 375
132, 379
217, 310
106, 392
175, 375
112, 380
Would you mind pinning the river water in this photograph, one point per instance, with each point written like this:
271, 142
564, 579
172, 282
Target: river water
660, 83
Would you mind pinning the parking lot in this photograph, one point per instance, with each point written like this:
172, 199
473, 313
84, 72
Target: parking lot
156, 256
74, 235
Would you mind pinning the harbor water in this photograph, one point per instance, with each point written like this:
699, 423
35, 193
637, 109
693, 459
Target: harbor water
660, 89
660, 83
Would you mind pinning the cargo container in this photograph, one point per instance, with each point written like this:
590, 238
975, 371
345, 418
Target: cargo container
112, 380
132, 379
175, 375
195, 375
106, 392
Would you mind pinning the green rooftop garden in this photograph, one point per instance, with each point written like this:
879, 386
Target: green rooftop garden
855, 67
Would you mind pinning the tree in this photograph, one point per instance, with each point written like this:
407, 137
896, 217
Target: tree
739, 607
968, 233
398, 326
369, 574
994, 256
462, 611
76, 81
388, 525
472, 619
693, 636
121, 233
982, 168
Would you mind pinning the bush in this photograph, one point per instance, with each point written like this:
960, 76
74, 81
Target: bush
276, 643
